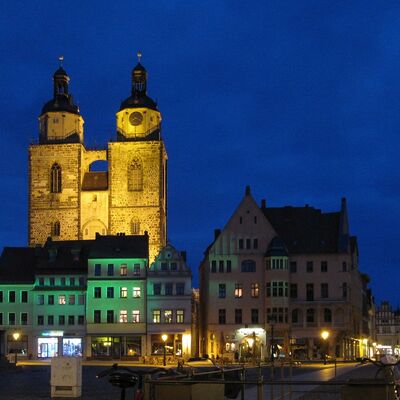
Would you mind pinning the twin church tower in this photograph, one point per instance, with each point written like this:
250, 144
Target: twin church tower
68, 200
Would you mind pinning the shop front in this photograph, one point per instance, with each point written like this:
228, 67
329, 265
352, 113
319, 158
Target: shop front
173, 344
116, 346
249, 345
55, 343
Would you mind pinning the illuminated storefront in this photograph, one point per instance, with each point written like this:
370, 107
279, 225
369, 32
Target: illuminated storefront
116, 346
55, 343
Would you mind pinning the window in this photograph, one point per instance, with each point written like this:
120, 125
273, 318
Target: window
248, 244
168, 289
81, 299
180, 289
344, 290
324, 266
52, 281
11, 318
157, 289
123, 316
1, 296
50, 320
72, 281
61, 320
123, 292
168, 316
71, 299
174, 266
309, 266
81, 319
136, 292
81, 281
11, 296
136, 270
255, 242
71, 320
327, 315
277, 289
310, 292
295, 316
110, 270
123, 270
41, 281
110, 316
97, 292
254, 315
97, 270
24, 318
293, 267
156, 316
221, 266
63, 281
344, 266
238, 316
110, 292
180, 316
222, 316
164, 266
55, 228
213, 266
277, 315
40, 320
248, 266
228, 266
324, 291
40, 299
293, 290
222, 291
135, 176
238, 290
241, 244
62, 299
254, 290
97, 316
55, 179
310, 316
240, 220
135, 316
135, 226
50, 299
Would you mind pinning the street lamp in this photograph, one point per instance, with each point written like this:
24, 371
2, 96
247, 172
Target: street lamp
164, 338
324, 336
272, 320
16, 336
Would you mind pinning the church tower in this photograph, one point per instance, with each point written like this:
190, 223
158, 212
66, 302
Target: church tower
54, 167
138, 168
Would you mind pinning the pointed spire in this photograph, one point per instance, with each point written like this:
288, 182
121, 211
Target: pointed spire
139, 56
61, 59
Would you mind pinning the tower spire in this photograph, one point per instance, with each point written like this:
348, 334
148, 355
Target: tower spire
61, 59
139, 56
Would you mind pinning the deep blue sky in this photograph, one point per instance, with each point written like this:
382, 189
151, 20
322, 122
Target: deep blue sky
299, 99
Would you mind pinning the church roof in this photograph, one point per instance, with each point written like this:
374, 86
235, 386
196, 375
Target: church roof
95, 180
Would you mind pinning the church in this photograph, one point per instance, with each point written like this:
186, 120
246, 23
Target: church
70, 200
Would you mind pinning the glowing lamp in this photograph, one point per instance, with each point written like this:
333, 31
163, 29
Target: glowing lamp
164, 337
16, 335
324, 335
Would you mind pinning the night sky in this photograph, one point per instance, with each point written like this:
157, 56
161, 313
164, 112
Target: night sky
298, 99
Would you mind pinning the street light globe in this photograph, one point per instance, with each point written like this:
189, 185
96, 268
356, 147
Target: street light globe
16, 335
164, 337
324, 335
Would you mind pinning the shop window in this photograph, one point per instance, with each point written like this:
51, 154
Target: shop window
157, 289
168, 316
123, 270
110, 270
136, 292
123, 292
156, 316
238, 290
238, 316
50, 320
97, 270
222, 316
97, 316
123, 316
110, 316
254, 315
61, 320
135, 316
71, 320
72, 347
255, 290
11, 318
71, 299
40, 320
110, 292
11, 296
222, 290
24, 296
50, 299
180, 289
180, 316
97, 292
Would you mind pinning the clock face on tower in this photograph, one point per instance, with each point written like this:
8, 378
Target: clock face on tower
136, 118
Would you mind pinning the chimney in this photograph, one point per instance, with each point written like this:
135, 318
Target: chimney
263, 203
247, 191
217, 232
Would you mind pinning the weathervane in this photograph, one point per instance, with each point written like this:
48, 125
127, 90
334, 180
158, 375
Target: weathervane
139, 56
61, 59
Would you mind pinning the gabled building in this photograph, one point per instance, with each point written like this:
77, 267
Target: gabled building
388, 329
274, 278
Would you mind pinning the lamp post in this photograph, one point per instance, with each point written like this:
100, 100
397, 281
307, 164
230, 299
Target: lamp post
164, 338
16, 336
272, 320
324, 336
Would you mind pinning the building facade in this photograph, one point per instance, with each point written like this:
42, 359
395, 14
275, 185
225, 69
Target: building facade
388, 329
275, 278
70, 200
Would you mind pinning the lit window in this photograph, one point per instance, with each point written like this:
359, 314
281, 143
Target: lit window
180, 316
238, 290
123, 316
135, 176
135, 226
62, 299
136, 292
135, 316
168, 316
123, 270
55, 179
255, 290
156, 316
123, 292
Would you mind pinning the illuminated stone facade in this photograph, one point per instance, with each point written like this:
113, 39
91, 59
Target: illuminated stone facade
69, 200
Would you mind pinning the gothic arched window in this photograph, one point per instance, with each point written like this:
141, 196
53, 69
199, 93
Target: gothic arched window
135, 176
135, 226
55, 179
55, 228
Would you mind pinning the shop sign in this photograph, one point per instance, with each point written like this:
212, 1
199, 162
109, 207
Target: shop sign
53, 333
